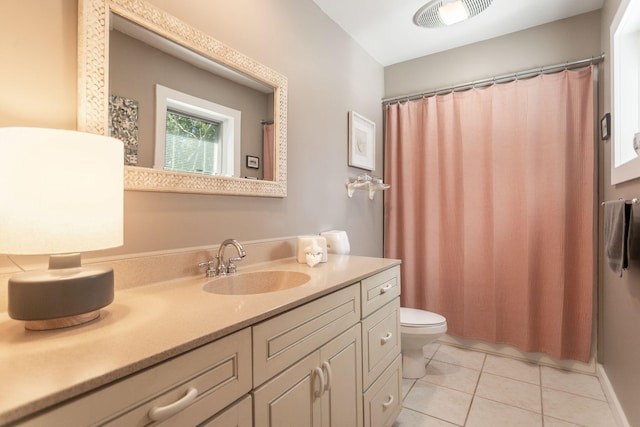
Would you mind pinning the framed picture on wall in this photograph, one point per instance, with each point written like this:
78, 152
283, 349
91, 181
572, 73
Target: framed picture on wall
362, 142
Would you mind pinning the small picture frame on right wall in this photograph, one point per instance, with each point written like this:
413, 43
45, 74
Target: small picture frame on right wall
605, 127
362, 142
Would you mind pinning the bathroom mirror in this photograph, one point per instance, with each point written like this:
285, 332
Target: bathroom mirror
147, 24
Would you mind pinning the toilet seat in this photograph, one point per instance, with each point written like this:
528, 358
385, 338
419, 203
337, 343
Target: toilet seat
411, 317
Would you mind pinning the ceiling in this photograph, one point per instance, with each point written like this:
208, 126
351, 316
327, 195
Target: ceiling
385, 28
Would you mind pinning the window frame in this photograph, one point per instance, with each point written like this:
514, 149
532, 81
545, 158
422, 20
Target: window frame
229, 119
625, 102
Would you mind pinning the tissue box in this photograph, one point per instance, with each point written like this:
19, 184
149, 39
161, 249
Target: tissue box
305, 241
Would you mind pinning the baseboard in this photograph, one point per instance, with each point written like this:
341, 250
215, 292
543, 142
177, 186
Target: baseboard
614, 403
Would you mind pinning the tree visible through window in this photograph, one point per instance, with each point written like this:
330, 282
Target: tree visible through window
192, 144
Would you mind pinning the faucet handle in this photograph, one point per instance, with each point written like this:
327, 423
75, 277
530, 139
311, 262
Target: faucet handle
210, 266
231, 267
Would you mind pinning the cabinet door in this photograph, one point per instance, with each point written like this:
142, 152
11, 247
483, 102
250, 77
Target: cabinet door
341, 362
238, 415
291, 398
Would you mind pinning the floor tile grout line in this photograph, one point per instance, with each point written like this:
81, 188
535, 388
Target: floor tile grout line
456, 364
541, 395
577, 395
432, 416
510, 405
510, 378
475, 389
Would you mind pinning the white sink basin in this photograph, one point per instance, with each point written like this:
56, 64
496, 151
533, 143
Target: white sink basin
258, 282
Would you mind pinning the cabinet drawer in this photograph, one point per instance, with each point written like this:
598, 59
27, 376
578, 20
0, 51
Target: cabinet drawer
380, 341
238, 415
383, 401
379, 289
219, 371
281, 341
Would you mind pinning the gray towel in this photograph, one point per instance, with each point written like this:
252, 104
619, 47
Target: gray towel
617, 217
633, 243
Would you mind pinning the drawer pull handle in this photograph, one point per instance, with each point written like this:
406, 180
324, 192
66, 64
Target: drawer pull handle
389, 401
386, 288
327, 369
158, 413
385, 339
320, 375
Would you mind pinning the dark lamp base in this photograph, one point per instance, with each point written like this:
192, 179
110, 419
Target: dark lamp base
60, 297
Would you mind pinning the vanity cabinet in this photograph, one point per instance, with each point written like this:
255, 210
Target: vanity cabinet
382, 369
309, 366
333, 361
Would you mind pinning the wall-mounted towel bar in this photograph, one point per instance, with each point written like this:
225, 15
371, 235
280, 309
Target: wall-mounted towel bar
633, 201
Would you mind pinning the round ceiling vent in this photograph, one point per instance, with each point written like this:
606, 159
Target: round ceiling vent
440, 13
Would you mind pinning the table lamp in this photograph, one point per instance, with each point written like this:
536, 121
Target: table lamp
61, 193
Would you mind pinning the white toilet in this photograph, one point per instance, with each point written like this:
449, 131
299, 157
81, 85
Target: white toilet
417, 329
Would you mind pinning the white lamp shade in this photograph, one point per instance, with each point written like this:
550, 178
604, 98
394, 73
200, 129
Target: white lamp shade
60, 191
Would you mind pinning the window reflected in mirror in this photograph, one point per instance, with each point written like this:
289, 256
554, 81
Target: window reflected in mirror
196, 135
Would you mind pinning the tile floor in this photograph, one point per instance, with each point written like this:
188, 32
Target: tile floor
473, 389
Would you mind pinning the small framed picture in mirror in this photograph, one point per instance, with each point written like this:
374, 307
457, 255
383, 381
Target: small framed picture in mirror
253, 162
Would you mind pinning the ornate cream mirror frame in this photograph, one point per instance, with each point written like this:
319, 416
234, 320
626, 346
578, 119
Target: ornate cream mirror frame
93, 94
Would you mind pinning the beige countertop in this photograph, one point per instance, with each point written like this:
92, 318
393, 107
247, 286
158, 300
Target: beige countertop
144, 326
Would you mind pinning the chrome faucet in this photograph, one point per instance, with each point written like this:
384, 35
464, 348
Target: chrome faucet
230, 268
218, 266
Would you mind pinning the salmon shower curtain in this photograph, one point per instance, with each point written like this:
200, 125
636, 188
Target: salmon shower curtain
491, 210
268, 152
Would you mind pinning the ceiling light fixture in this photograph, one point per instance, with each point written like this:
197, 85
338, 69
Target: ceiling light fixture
440, 13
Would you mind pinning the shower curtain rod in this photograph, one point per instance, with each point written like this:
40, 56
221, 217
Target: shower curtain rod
498, 79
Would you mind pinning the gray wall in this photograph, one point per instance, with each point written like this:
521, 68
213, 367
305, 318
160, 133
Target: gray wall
619, 340
570, 39
328, 74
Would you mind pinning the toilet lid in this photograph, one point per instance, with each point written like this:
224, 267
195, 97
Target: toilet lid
414, 317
